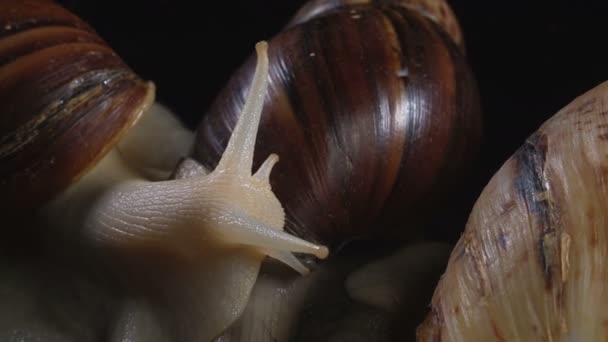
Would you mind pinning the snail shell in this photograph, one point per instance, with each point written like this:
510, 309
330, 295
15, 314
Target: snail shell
65, 97
373, 110
531, 263
437, 10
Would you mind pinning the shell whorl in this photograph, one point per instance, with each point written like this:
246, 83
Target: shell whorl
65, 99
531, 263
368, 111
437, 10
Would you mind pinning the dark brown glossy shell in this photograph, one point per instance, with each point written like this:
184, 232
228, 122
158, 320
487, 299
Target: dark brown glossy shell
437, 10
372, 110
65, 98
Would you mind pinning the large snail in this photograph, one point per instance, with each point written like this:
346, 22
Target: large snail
531, 263
67, 102
376, 109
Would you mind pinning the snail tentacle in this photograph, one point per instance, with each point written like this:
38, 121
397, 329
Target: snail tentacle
238, 229
238, 155
229, 205
288, 259
263, 173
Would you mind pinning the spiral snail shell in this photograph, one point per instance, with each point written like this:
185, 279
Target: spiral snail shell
65, 97
530, 264
376, 109
437, 10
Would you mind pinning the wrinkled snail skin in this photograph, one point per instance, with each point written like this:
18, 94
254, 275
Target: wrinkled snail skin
374, 112
223, 223
137, 212
68, 99
531, 263
74, 148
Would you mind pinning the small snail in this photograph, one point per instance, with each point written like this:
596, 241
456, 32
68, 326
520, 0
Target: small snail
375, 109
70, 108
530, 265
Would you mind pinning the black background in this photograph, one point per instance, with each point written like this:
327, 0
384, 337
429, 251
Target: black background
530, 57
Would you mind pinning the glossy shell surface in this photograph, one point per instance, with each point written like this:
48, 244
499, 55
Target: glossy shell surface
372, 111
65, 99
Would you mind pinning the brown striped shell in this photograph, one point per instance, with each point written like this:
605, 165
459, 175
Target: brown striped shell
531, 265
373, 112
65, 99
437, 10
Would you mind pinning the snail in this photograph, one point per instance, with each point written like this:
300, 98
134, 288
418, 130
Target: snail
530, 264
376, 108
72, 144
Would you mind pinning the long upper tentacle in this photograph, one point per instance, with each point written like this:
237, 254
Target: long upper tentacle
238, 155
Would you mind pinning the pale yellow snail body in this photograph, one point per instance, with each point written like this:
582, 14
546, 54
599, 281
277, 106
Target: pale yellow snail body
531, 265
222, 223
201, 235
140, 214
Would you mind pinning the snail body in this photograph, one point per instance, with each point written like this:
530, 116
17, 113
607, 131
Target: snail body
530, 264
75, 146
140, 214
376, 108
